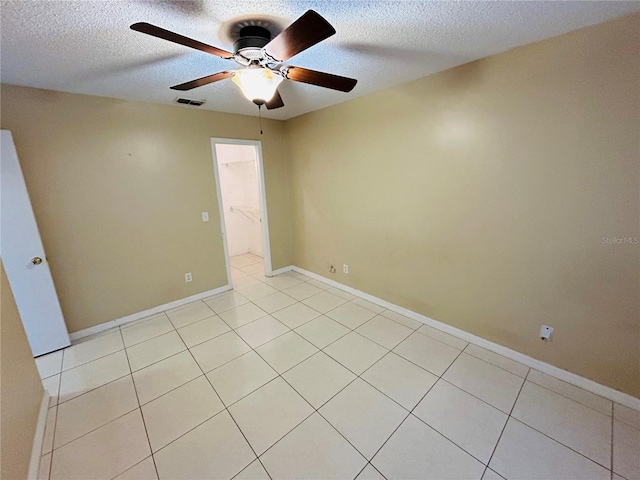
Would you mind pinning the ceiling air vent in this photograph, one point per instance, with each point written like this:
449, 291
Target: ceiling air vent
189, 101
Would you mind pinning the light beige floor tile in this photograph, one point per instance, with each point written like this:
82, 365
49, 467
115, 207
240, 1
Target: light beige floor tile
416, 451
45, 467
298, 275
257, 291
161, 377
626, 450
50, 364
140, 332
256, 268
498, 360
94, 409
319, 284
52, 387
572, 424
322, 331
145, 470
296, 315
103, 453
218, 351
203, 330
370, 473
443, 337
180, 410
626, 415
319, 378
269, 413
240, 261
286, 351
225, 301
351, 315
262, 331
91, 350
215, 446
428, 353
355, 352
313, 450
401, 319
524, 453
274, 302
240, 377
323, 302
255, 471
470, 423
377, 309
239, 316
302, 291
49, 429
589, 399
399, 379
91, 375
244, 280
143, 354
494, 385
384, 332
188, 314
341, 293
365, 417
282, 282
491, 475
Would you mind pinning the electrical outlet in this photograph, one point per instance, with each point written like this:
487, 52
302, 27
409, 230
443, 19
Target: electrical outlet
205, 216
345, 268
188, 277
545, 332
332, 269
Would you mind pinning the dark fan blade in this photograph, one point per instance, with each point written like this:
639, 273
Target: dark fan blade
177, 38
327, 80
305, 32
204, 80
275, 102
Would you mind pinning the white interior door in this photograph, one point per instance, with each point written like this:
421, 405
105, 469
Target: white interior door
24, 259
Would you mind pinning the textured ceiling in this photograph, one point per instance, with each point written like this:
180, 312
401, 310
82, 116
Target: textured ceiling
87, 46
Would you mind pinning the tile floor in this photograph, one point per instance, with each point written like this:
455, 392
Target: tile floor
285, 377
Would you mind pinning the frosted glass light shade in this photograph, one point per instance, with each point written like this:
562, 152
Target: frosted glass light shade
257, 84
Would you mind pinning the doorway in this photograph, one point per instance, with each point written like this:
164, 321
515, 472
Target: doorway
239, 175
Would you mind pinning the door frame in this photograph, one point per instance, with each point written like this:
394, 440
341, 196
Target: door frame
266, 244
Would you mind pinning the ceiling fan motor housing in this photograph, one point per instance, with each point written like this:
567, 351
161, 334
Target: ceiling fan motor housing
252, 39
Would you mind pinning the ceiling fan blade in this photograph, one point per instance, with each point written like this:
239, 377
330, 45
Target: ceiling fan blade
321, 79
275, 102
305, 32
177, 38
204, 80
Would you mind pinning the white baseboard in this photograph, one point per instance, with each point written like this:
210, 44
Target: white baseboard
286, 269
38, 438
145, 313
572, 378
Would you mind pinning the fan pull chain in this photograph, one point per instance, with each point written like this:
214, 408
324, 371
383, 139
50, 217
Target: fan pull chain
260, 117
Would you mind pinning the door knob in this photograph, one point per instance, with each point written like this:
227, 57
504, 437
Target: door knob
36, 260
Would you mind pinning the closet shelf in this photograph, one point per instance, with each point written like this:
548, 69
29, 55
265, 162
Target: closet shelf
251, 213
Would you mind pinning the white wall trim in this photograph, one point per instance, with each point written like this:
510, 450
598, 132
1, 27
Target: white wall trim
572, 378
38, 438
279, 271
145, 313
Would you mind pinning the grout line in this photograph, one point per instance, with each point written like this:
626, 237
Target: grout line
144, 423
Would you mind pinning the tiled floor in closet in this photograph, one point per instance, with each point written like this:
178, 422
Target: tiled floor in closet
286, 377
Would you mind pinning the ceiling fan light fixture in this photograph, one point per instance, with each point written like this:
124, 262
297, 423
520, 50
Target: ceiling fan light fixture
257, 84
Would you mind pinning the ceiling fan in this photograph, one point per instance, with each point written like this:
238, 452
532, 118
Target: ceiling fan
261, 58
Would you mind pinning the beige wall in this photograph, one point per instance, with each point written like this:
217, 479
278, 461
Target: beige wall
21, 389
480, 196
117, 188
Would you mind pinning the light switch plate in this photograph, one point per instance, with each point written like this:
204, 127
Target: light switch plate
205, 216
